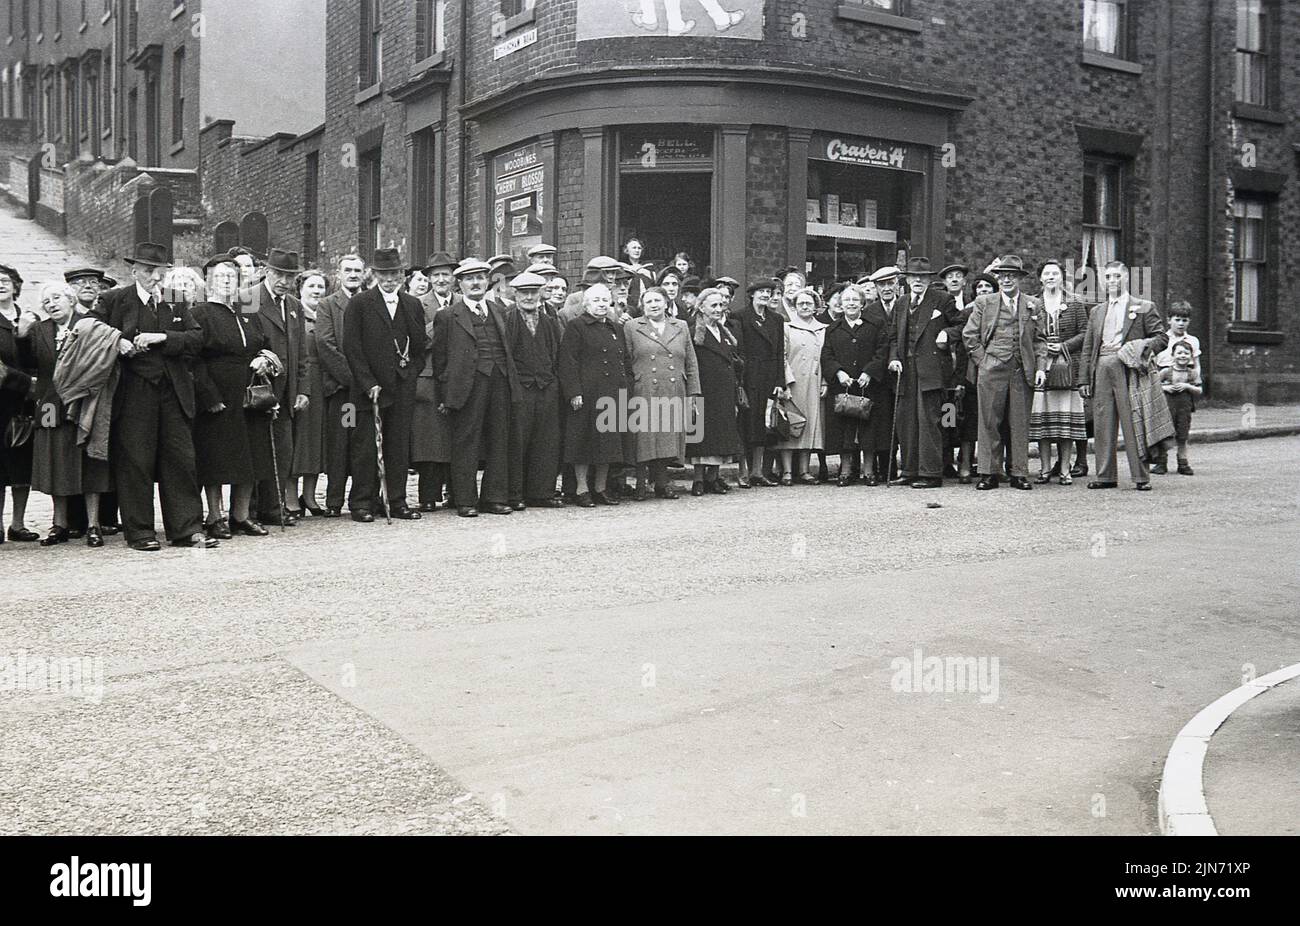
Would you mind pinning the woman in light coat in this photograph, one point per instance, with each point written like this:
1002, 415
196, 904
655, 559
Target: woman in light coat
804, 340
664, 378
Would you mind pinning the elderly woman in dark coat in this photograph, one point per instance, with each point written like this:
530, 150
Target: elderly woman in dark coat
760, 336
664, 377
16, 373
232, 445
853, 356
717, 437
594, 369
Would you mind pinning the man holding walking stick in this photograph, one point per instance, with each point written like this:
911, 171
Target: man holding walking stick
384, 341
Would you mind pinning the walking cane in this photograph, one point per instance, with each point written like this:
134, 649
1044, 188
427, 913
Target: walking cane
275, 463
893, 424
379, 455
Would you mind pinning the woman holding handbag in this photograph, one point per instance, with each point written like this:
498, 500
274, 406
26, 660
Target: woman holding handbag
714, 434
1057, 414
16, 424
804, 339
232, 444
853, 356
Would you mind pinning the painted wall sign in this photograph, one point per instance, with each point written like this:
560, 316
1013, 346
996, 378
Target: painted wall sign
666, 148
714, 19
866, 152
518, 203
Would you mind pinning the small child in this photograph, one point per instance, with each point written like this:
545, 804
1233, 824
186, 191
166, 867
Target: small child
1182, 385
1180, 316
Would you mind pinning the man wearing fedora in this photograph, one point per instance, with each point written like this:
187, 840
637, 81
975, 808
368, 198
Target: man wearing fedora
383, 339
336, 377
152, 438
1009, 349
918, 350
286, 337
473, 360
430, 429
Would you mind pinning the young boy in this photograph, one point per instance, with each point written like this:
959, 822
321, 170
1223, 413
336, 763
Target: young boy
1180, 316
1182, 385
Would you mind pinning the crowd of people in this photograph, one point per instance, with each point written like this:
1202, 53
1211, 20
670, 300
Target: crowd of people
235, 389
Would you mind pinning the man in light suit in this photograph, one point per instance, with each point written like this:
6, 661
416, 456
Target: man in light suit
1104, 379
918, 350
286, 337
336, 375
383, 339
474, 362
1010, 351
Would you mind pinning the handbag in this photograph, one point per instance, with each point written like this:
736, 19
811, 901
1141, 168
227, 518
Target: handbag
852, 406
259, 396
1058, 374
20, 430
778, 423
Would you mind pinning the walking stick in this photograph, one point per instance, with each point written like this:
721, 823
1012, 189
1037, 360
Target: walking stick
893, 424
275, 463
379, 455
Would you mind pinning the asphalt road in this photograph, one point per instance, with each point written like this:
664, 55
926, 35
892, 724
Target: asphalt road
705, 665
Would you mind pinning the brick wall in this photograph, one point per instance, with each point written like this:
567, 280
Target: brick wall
766, 202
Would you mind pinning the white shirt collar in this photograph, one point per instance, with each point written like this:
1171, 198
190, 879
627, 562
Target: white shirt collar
143, 293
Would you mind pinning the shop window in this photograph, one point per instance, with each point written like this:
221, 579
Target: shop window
369, 201
665, 192
518, 179
1253, 77
1104, 236
1251, 217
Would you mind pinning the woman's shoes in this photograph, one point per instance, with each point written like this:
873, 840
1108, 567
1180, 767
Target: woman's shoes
313, 510
742, 482
718, 486
786, 480
584, 500
248, 529
1066, 480
94, 537
605, 498
697, 489
22, 535
56, 536
808, 479
761, 482
963, 478
1043, 478
217, 530
666, 492
640, 494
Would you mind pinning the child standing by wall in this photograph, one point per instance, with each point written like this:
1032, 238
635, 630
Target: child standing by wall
1182, 385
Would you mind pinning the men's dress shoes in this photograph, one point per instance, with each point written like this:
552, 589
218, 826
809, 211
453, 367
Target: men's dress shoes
274, 519
871, 479
666, 492
1020, 482
466, 511
195, 540
145, 546
519, 506
75, 533
718, 486
428, 506
218, 529
246, 529
546, 503
605, 498
901, 481
362, 517
56, 536
1103, 485
110, 530
498, 508
640, 494
1143, 487
405, 514
964, 480
94, 537
697, 489
1159, 469
928, 483
22, 535
584, 500
986, 483
843, 479
1185, 469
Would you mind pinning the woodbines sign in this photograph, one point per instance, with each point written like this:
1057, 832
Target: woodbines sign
518, 199
865, 152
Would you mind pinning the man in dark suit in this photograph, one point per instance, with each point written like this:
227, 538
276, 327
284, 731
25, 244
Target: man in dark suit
535, 426
1010, 351
882, 312
286, 337
430, 437
474, 362
152, 436
336, 375
919, 351
383, 339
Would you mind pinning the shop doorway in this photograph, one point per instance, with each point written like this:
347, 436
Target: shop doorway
669, 212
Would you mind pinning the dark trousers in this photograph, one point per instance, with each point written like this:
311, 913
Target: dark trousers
266, 494
397, 418
340, 425
480, 430
433, 477
1004, 397
77, 517
152, 440
535, 444
919, 431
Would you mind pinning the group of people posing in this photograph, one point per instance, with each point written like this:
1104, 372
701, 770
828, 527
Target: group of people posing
235, 389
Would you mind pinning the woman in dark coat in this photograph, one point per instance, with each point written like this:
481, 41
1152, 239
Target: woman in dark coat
760, 335
309, 424
718, 359
16, 372
60, 466
594, 369
963, 375
853, 356
232, 445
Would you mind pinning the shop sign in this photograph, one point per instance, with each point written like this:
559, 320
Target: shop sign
865, 152
666, 150
518, 201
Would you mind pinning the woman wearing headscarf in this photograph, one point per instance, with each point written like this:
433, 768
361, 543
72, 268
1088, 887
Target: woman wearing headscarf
17, 371
1057, 413
61, 466
854, 354
804, 339
232, 445
664, 378
716, 434
594, 369
309, 442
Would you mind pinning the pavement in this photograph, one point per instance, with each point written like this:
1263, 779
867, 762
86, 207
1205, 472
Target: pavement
761, 662
40, 255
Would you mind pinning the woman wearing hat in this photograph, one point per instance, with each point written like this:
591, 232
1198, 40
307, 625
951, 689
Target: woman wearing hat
804, 340
670, 281
717, 437
309, 447
853, 356
17, 371
232, 445
760, 335
1057, 414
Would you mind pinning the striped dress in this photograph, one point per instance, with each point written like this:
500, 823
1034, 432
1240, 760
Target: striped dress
1058, 414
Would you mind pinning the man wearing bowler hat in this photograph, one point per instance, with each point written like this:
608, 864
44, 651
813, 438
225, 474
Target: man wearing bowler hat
473, 360
430, 429
535, 424
152, 438
286, 337
383, 339
924, 323
1010, 351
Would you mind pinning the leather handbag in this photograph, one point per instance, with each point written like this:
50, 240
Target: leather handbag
852, 406
1058, 374
259, 396
20, 430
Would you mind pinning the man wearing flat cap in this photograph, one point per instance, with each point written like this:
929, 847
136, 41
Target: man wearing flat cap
600, 269
881, 314
286, 336
383, 339
152, 437
535, 426
1009, 349
542, 254
430, 429
502, 270
473, 360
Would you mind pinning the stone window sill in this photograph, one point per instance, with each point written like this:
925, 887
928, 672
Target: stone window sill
105, 18
369, 93
860, 14
1238, 334
177, 11
433, 61
1110, 62
177, 148
520, 19
1257, 113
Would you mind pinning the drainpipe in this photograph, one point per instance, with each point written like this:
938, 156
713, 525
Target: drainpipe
462, 66
1211, 197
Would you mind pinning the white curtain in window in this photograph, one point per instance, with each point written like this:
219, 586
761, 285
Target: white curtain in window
1248, 287
1101, 20
1250, 25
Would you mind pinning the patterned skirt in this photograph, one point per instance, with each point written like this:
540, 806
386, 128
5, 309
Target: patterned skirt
1057, 414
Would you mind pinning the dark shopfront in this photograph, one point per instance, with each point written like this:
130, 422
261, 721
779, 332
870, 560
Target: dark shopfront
681, 160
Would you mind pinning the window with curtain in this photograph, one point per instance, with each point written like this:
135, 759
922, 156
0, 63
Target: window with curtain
368, 202
1105, 27
1103, 213
1250, 259
1252, 52
430, 22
